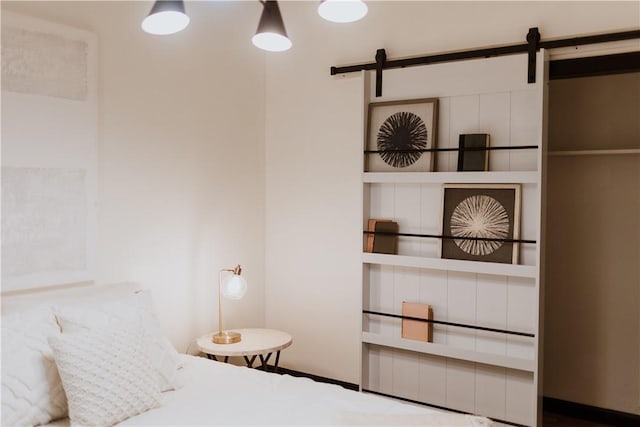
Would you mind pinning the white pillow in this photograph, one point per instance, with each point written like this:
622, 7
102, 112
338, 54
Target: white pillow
134, 310
106, 375
31, 389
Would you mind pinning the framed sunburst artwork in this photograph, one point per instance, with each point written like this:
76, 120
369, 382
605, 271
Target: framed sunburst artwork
400, 135
481, 222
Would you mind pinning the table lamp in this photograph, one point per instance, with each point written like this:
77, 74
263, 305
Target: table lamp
232, 286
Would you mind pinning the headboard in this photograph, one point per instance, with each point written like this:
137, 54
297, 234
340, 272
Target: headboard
84, 294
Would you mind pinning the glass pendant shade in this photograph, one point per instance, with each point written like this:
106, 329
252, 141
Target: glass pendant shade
342, 10
166, 17
271, 34
234, 286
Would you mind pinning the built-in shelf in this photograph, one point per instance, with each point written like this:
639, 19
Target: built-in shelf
450, 177
513, 270
595, 152
450, 352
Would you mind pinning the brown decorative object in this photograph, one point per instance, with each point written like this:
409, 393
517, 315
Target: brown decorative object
382, 243
414, 329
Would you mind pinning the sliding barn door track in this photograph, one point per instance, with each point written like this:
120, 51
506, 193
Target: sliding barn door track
533, 44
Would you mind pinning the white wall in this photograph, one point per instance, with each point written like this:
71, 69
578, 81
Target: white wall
313, 159
181, 156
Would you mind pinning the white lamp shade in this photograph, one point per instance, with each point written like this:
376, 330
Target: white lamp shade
271, 34
271, 42
234, 286
342, 10
166, 17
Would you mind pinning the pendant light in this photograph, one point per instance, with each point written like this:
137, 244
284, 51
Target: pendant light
271, 34
166, 17
342, 10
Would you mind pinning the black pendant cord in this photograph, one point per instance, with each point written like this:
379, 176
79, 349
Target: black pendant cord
439, 236
427, 150
458, 325
532, 45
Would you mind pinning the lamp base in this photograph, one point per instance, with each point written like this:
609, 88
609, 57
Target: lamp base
226, 337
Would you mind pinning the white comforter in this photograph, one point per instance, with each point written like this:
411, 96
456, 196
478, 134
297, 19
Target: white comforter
221, 394
215, 393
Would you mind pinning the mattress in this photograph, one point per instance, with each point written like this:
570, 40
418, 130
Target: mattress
214, 393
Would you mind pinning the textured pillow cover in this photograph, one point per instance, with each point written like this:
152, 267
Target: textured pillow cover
106, 375
136, 311
32, 392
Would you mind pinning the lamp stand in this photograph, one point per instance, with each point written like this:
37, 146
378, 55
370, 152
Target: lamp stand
225, 337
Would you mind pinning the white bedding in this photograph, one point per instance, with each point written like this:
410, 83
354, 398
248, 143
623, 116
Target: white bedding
215, 393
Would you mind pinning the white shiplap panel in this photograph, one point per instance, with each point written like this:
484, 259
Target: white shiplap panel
433, 380
445, 160
491, 312
461, 308
529, 224
465, 117
461, 385
406, 381
522, 305
381, 298
407, 287
433, 291
521, 397
407, 215
491, 389
430, 218
489, 75
380, 369
382, 201
525, 129
494, 119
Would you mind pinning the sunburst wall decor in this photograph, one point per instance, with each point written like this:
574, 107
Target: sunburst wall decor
479, 222
400, 135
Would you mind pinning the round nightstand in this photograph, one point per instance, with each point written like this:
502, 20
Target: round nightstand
256, 342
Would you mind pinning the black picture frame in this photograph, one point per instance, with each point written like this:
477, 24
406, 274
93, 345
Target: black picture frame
486, 211
400, 134
473, 154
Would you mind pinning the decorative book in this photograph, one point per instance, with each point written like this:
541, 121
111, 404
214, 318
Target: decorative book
414, 329
382, 243
473, 154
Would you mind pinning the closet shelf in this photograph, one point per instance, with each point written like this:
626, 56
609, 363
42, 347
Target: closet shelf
513, 270
595, 152
510, 362
506, 177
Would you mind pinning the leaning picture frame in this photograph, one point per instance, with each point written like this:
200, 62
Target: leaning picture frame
400, 135
481, 222
473, 152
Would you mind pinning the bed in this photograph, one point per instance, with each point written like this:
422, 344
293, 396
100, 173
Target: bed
193, 391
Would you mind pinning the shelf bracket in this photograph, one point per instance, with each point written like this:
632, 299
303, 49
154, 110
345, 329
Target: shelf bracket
533, 40
381, 58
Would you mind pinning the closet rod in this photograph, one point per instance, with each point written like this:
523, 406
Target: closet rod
438, 236
487, 52
458, 325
